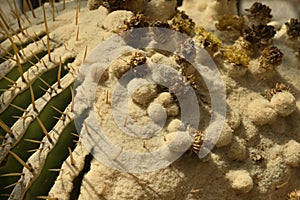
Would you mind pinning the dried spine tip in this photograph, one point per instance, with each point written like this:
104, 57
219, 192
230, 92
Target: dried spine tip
53, 9
34, 141
47, 84
31, 8
71, 156
15, 49
21, 161
259, 13
85, 53
76, 15
6, 128
77, 34
47, 32
72, 95
18, 17
4, 21
293, 28
44, 130
11, 185
12, 174
59, 73
32, 99
47, 198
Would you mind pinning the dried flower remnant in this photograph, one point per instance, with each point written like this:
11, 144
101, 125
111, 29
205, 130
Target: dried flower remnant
236, 61
233, 54
260, 35
270, 58
279, 87
258, 13
230, 23
207, 40
265, 66
137, 21
293, 28
182, 23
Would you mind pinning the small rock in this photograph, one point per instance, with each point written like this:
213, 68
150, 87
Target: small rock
261, 112
115, 20
173, 110
291, 153
237, 151
157, 113
284, 103
226, 136
175, 125
240, 180
164, 98
142, 92
179, 141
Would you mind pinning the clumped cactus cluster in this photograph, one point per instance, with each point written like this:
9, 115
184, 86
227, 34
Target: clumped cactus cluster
41, 154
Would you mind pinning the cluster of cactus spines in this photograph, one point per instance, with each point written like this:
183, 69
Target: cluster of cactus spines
36, 99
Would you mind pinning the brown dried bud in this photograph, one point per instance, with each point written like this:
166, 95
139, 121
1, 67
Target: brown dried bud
260, 34
271, 55
293, 28
137, 21
259, 13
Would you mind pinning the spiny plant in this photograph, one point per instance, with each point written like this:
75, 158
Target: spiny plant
36, 101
